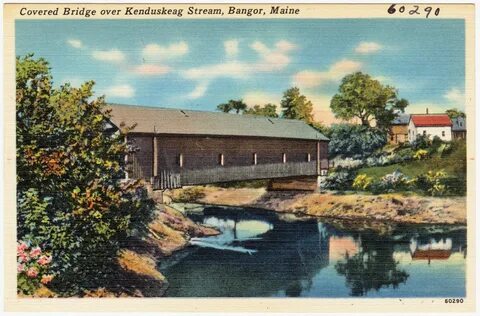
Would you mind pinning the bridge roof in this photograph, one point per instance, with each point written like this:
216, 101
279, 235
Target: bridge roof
189, 122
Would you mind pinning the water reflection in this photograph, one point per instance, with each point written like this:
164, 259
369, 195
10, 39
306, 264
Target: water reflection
371, 268
262, 254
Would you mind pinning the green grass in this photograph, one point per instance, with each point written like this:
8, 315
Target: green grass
453, 163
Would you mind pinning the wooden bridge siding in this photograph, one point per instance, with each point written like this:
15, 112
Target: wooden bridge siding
140, 163
200, 158
323, 155
202, 152
264, 171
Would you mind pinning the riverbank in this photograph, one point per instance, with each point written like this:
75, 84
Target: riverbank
169, 232
411, 209
137, 273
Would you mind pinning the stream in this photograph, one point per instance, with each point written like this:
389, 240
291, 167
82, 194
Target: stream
261, 253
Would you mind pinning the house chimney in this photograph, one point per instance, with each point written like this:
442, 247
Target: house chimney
426, 110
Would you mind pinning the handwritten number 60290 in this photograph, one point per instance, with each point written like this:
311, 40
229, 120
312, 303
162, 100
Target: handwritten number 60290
415, 10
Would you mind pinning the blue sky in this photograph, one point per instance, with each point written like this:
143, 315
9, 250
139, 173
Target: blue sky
197, 64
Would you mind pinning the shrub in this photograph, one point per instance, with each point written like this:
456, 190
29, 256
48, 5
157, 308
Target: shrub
362, 182
433, 183
69, 197
355, 141
395, 181
191, 194
420, 154
338, 180
436, 143
421, 142
33, 267
347, 163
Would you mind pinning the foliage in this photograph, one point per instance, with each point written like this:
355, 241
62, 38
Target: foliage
232, 105
362, 182
393, 182
356, 141
191, 194
296, 106
338, 180
268, 110
454, 113
421, 142
420, 154
69, 197
371, 268
433, 183
360, 96
33, 266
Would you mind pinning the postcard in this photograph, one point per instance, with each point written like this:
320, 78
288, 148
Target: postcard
239, 157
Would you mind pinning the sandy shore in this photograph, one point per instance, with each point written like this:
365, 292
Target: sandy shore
386, 207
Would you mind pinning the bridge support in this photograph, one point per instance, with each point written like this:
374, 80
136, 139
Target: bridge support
320, 180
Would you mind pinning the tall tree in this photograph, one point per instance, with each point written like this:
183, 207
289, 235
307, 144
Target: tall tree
360, 96
454, 113
232, 105
69, 197
268, 110
296, 106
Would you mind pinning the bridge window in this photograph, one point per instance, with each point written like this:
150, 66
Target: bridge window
180, 160
284, 157
443, 133
221, 160
309, 157
254, 160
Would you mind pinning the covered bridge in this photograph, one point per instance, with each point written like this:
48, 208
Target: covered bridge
183, 147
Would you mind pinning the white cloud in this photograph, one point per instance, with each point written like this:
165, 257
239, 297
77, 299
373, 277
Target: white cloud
151, 70
199, 90
120, 91
270, 60
368, 48
231, 48
156, 53
113, 55
455, 96
209, 72
311, 78
75, 43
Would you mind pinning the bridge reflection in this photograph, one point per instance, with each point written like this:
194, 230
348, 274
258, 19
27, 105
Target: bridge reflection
261, 254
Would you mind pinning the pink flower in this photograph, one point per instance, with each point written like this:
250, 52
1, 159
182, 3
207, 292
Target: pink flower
35, 252
23, 257
44, 260
46, 278
21, 247
32, 272
20, 267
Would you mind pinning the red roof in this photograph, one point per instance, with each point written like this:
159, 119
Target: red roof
426, 120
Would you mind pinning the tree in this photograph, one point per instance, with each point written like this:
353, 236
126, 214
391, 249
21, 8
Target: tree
372, 268
454, 113
353, 140
296, 106
232, 105
70, 201
268, 110
360, 96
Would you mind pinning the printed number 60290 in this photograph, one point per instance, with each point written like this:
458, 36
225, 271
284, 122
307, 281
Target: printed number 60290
453, 300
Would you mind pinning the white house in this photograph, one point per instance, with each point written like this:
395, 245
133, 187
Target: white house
431, 125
